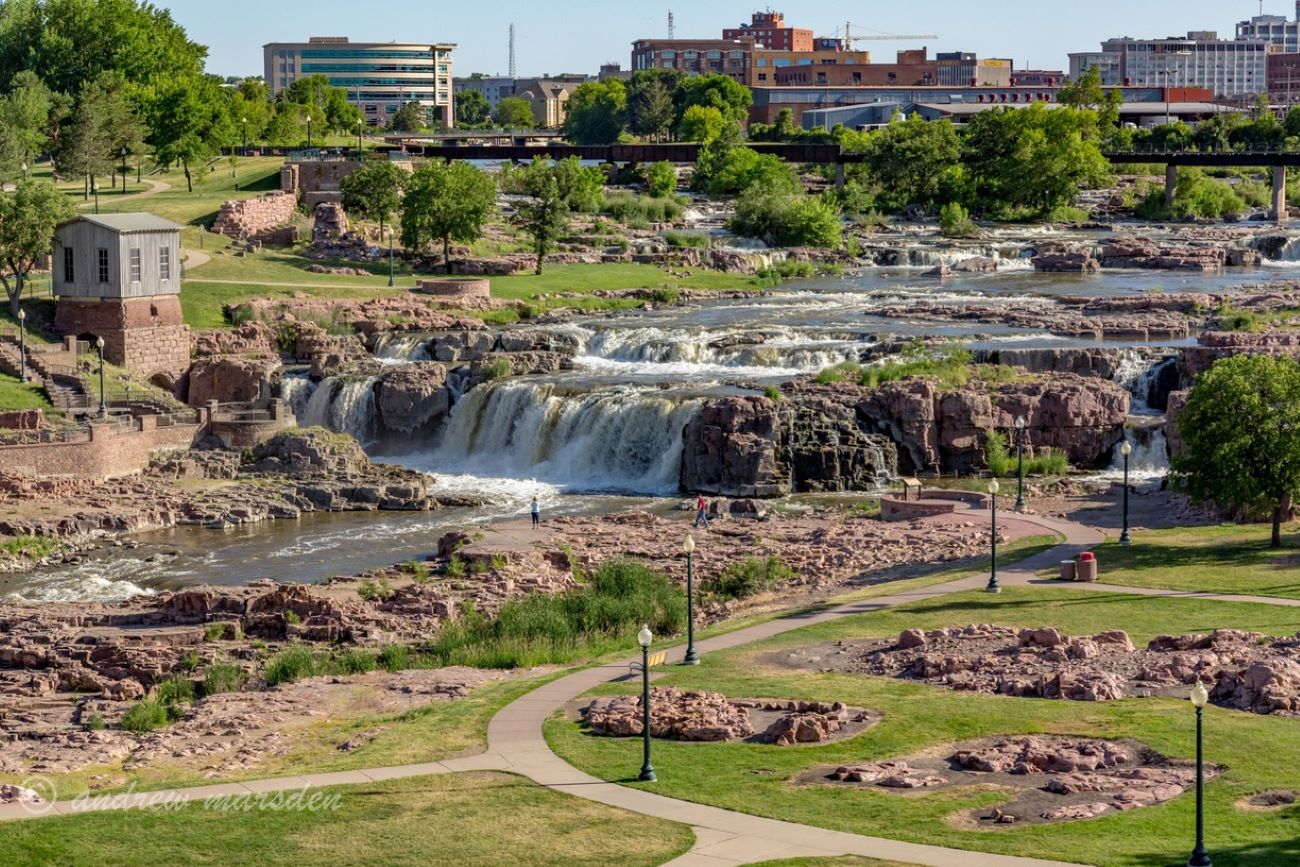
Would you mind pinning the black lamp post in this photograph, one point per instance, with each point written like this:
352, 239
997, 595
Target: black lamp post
308, 132
94, 188
644, 637
244, 121
103, 405
1200, 858
1020, 463
125, 170
391, 261
692, 658
993, 585
1125, 450
22, 344
138, 170
360, 127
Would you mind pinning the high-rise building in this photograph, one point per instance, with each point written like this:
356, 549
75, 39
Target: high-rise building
965, 69
1273, 29
769, 30
379, 77
1228, 68
694, 56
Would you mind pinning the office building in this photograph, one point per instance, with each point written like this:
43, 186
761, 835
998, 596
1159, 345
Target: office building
1273, 29
695, 56
379, 77
769, 30
1228, 68
964, 69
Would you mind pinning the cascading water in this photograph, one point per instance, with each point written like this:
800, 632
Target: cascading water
1149, 461
687, 352
345, 405
296, 390
404, 347
626, 439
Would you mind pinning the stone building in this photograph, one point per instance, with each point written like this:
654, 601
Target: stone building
118, 276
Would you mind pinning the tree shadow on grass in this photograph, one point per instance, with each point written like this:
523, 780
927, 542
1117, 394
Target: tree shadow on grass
1271, 854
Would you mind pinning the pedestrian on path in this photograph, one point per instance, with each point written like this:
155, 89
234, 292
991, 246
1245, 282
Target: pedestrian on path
537, 513
701, 512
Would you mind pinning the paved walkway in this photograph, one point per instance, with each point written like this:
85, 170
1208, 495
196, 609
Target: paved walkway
108, 196
722, 837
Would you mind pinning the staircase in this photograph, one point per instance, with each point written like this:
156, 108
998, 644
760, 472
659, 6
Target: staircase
59, 380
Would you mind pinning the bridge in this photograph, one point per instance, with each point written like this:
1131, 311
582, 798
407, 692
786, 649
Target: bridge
1278, 160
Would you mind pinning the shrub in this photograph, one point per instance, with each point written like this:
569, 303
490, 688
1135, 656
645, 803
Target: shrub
418, 571
1001, 459
223, 677
743, 169
376, 591
1229, 318
214, 631
291, 617
291, 664
638, 212
144, 716
394, 658
661, 179
94, 723
750, 578
786, 220
499, 369
356, 661
772, 393
31, 547
677, 238
455, 567
955, 222
665, 295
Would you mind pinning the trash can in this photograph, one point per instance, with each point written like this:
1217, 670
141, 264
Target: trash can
1067, 570
1087, 567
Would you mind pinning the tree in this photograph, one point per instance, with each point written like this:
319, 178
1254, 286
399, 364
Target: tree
661, 179
325, 104
411, 117
722, 92
596, 113
543, 215
515, 112
701, 123
1087, 94
28, 217
650, 109
581, 187
190, 122
287, 125
1241, 436
744, 167
374, 191
251, 100
26, 112
472, 108
447, 202
909, 160
786, 219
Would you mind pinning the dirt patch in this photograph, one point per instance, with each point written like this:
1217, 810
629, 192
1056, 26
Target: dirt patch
1268, 802
1243, 670
1047, 779
710, 716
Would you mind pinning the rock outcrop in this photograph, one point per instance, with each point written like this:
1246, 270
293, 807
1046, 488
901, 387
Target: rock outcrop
1214, 345
232, 379
413, 397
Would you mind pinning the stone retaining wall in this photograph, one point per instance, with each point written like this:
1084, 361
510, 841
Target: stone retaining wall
105, 451
256, 218
457, 289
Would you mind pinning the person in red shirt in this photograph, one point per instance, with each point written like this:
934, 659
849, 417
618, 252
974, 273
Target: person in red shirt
701, 511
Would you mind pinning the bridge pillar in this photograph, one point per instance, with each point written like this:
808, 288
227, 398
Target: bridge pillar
1171, 183
1279, 194
839, 176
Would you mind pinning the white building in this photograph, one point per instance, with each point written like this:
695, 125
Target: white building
1109, 64
1226, 68
1273, 29
380, 77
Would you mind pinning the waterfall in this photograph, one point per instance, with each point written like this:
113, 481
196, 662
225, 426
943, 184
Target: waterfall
621, 440
296, 390
687, 352
402, 347
343, 404
1140, 375
1149, 461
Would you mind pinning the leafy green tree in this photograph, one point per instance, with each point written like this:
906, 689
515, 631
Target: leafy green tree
910, 159
287, 126
661, 179
374, 191
714, 154
650, 109
701, 123
102, 122
28, 217
515, 112
722, 92
190, 122
596, 113
581, 187
544, 214
1241, 436
787, 219
251, 100
411, 117
472, 109
326, 104
448, 202
26, 111
744, 167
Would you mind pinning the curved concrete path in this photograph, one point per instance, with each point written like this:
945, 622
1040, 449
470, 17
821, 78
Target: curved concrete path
155, 187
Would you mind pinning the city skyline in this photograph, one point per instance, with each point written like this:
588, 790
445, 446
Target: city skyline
552, 39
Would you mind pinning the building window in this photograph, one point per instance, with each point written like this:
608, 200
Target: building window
69, 266
165, 263
135, 265
762, 76
103, 265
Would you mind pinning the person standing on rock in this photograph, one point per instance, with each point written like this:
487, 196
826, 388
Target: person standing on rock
537, 514
701, 511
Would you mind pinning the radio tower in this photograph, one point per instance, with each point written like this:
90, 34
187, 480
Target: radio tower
672, 26
512, 49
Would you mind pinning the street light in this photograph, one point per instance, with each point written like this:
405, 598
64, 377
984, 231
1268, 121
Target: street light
1125, 450
692, 658
1200, 858
391, 264
125, 168
360, 126
22, 344
1020, 463
644, 637
103, 406
308, 132
993, 585
244, 121
94, 188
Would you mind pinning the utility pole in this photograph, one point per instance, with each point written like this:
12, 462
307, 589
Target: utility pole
513, 71
672, 25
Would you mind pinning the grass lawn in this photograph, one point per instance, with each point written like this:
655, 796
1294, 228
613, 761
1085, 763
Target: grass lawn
474, 818
1259, 752
1230, 558
21, 395
438, 730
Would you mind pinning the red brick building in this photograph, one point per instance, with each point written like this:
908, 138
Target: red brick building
695, 56
769, 30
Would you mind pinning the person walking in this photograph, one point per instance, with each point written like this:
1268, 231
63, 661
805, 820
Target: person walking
701, 512
537, 513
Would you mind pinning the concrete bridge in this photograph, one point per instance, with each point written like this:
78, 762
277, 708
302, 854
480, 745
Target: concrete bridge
1278, 161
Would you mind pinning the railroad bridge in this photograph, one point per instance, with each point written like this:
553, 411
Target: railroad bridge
1278, 161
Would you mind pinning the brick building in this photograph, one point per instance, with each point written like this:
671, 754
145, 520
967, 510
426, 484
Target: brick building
695, 56
118, 276
828, 65
769, 30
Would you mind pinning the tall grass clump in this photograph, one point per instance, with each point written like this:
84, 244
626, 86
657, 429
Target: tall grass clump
602, 615
749, 578
638, 212
1001, 459
291, 664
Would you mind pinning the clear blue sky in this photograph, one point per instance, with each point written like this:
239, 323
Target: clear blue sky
578, 35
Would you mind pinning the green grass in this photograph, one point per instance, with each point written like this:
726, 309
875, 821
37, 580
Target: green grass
1259, 752
1229, 558
15, 395
472, 819
31, 547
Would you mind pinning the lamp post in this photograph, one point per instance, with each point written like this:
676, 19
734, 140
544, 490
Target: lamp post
308, 132
24, 169
103, 405
22, 344
993, 585
1125, 450
391, 262
360, 126
691, 658
138, 169
244, 121
1200, 858
1020, 463
94, 188
644, 637
125, 169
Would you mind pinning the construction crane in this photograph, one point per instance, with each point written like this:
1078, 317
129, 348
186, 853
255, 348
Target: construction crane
880, 36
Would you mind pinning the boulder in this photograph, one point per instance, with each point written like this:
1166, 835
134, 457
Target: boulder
413, 396
232, 379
